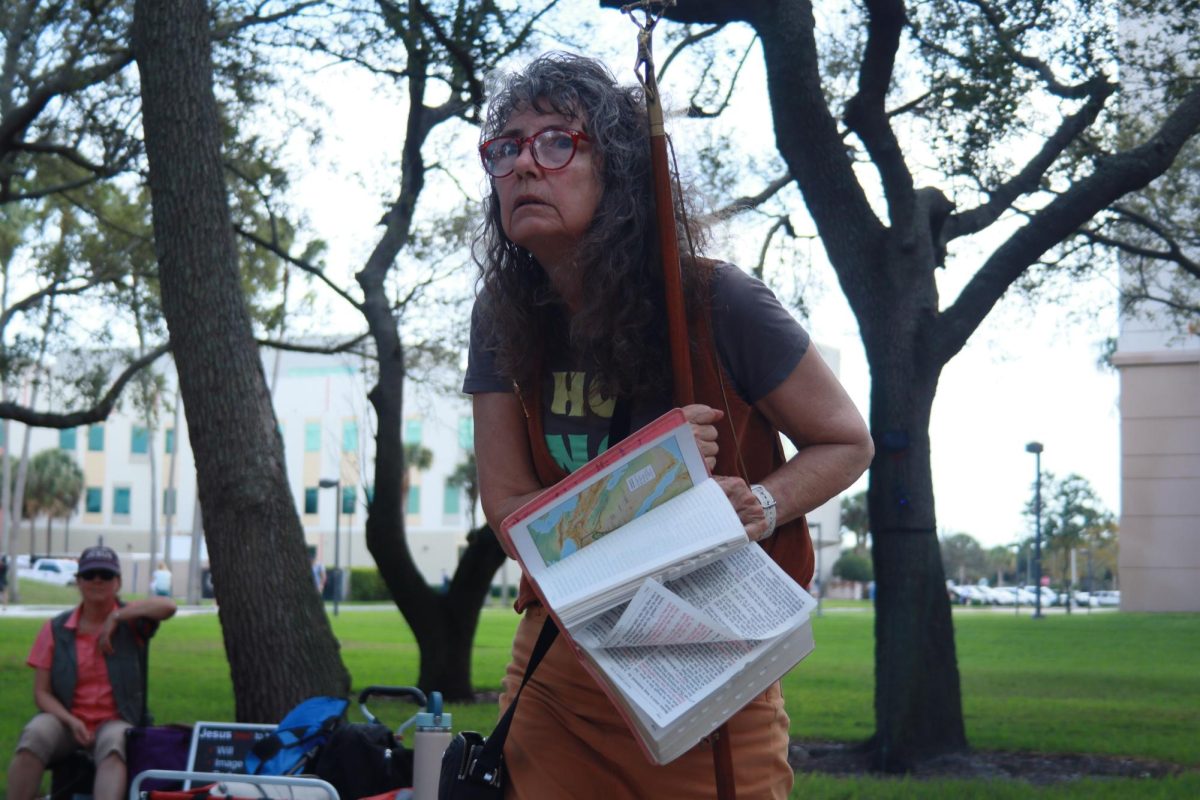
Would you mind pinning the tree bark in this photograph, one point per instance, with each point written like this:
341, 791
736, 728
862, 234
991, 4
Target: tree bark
277, 637
918, 701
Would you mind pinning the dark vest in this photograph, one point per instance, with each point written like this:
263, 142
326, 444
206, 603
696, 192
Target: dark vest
126, 667
743, 428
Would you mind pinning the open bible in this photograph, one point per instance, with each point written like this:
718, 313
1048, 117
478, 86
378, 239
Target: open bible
644, 564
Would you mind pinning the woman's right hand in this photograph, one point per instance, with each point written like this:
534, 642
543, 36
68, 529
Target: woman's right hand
704, 421
80, 731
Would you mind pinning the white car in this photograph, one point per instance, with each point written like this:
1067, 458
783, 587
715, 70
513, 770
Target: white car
1049, 596
1107, 598
59, 571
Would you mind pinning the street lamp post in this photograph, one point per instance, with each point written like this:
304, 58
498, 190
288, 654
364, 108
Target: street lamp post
336, 485
1036, 448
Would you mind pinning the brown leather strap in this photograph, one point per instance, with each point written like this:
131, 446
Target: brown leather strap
723, 764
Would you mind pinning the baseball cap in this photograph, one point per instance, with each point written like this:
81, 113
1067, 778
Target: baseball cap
99, 557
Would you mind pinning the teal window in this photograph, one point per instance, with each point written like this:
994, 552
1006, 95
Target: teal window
94, 500
169, 502
414, 500
349, 497
96, 438
121, 501
310, 500
450, 499
139, 440
466, 433
412, 431
169, 435
312, 437
66, 438
350, 436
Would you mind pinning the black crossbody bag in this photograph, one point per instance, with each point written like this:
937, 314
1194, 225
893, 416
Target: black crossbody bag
473, 766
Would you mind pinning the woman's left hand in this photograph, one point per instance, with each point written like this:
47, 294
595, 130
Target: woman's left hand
748, 509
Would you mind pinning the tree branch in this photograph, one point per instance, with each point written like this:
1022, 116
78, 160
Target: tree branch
70, 154
1174, 252
298, 262
18, 119
7, 196
347, 346
685, 43
1113, 178
694, 109
866, 113
755, 200
225, 31
463, 58
97, 413
1035, 65
35, 299
1029, 178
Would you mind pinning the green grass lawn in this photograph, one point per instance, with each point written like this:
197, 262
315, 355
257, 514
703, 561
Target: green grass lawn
1103, 683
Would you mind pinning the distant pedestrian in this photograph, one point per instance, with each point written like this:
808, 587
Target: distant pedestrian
318, 573
160, 580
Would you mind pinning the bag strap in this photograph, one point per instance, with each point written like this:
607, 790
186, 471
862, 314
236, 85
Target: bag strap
487, 764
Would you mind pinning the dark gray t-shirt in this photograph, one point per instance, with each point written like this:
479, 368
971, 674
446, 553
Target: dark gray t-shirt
758, 341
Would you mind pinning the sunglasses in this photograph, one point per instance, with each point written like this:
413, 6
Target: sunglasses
552, 149
97, 574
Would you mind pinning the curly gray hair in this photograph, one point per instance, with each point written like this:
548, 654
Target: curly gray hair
619, 334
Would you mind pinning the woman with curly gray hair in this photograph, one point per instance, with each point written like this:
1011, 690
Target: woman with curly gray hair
569, 351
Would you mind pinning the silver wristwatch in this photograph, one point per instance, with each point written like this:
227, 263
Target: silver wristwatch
768, 505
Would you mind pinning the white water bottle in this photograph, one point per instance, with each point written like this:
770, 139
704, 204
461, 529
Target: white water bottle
431, 737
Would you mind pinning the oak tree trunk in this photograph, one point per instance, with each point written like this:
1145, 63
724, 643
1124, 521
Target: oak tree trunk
443, 624
918, 702
277, 637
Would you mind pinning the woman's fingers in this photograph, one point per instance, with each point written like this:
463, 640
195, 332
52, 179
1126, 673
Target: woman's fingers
703, 420
748, 509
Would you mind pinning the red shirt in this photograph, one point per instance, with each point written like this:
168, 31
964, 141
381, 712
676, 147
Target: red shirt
93, 702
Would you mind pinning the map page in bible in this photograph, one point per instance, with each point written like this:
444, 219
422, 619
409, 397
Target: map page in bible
633, 488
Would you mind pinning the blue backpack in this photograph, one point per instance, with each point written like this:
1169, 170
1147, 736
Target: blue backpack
297, 738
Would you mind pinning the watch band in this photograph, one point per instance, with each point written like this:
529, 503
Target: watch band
768, 506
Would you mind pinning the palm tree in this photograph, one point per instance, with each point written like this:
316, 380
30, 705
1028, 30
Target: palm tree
416, 458
53, 488
466, 477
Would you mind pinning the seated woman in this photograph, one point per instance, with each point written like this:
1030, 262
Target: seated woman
89, 680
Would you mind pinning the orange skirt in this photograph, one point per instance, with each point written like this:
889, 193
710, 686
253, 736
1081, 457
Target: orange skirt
568, 741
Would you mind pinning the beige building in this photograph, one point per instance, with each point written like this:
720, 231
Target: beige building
1160, 467
1159, 366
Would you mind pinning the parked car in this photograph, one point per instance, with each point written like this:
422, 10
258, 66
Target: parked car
59, 571
967, 594
1080, 599
1107, 597
1021, 596
1049, 597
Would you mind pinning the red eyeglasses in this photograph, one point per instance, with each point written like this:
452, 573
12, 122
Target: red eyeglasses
552, 149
